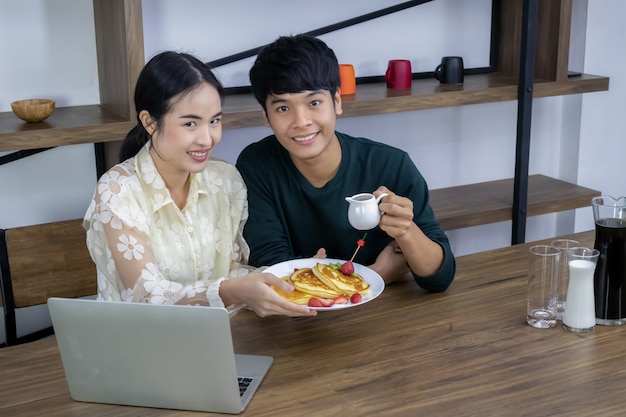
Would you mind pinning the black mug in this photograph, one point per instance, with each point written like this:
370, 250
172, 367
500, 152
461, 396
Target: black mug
450, 71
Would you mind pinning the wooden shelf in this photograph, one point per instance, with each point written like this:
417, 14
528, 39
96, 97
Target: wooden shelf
90, 124
66, 126
243, 111
491, 202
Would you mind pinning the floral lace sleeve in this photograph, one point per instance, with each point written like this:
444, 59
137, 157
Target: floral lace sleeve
143, 281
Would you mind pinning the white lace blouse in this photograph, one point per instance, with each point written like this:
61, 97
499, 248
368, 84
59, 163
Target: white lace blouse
178, 256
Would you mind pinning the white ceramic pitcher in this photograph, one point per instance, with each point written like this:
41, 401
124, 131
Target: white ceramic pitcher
363, 212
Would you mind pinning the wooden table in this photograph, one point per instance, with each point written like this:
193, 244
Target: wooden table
465, 352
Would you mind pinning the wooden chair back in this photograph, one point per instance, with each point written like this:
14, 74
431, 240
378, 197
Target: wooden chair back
42, 261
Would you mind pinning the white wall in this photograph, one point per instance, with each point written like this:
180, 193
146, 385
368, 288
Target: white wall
576, 138
602, 125
47, 49
215, 31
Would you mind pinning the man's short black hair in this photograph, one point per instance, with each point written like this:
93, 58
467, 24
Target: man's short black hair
292, 64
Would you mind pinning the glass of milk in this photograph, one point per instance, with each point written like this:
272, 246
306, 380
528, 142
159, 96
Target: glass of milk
580, 312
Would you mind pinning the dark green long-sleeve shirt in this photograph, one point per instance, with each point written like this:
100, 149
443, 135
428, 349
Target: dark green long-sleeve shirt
290, 218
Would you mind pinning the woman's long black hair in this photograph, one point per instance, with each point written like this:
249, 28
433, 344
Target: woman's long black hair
165, 76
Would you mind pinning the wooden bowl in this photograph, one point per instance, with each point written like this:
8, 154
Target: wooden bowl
33, 110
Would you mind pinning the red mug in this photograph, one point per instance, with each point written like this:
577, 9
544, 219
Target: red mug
399, 74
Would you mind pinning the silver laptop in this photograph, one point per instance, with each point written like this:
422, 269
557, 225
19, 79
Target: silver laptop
176, 357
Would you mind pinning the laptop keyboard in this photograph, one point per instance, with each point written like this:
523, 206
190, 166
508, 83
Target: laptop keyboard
244, 383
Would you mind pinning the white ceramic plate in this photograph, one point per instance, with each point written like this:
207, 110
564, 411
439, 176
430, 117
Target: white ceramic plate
377, 285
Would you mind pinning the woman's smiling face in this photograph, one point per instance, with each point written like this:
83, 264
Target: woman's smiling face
189, 131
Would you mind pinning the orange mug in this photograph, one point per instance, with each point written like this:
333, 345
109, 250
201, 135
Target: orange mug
348, 79
399, 74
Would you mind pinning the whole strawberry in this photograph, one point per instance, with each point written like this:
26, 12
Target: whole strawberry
356, 298
347, 268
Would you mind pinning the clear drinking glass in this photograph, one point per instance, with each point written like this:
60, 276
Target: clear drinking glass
563, 245
543, 273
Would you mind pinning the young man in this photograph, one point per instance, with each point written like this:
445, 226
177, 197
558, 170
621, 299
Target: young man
299, 177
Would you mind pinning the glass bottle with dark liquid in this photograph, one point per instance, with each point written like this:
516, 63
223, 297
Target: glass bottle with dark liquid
610, 274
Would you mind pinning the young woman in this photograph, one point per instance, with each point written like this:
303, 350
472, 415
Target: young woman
165, 225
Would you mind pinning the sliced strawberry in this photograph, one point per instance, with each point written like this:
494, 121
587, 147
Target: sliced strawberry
320, 302
342, 299
315, 302
356, 298
327, 302
347, 268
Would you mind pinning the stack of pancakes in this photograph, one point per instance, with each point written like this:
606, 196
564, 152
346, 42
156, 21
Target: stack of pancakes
322, 281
